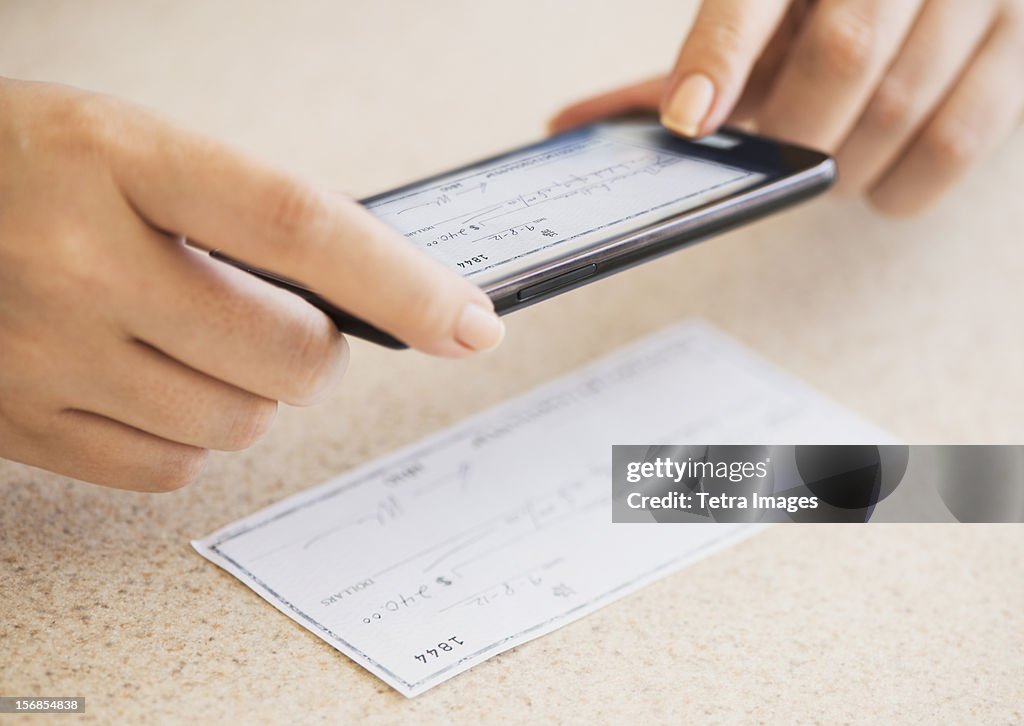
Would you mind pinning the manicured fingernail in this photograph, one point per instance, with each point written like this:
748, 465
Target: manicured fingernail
478, 328
689, 105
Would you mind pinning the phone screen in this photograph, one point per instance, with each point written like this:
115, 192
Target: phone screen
556, 198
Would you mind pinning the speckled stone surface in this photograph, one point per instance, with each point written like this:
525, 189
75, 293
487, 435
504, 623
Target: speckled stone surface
915, 324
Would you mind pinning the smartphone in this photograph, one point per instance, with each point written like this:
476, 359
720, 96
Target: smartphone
543, 219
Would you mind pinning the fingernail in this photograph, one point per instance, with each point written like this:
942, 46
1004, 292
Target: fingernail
689, 105
478, 328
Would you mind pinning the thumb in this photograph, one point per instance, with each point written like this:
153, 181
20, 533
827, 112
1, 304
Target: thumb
715, 62
642, 96
187, 184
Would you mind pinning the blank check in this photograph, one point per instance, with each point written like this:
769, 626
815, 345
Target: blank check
498, 530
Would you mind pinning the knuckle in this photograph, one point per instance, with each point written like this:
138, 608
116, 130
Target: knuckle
318, 357
892, 108
295, 210
179, 468
64, 266
82, 125
843, 47
250, 422
84, 269
1013, 13
949, 145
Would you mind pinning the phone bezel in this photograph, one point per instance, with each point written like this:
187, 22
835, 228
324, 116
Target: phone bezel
792, 173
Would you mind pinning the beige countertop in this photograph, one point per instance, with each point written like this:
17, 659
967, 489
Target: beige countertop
914, 324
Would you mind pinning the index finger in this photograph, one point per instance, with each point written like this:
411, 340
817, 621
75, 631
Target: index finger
184, 183
715, 62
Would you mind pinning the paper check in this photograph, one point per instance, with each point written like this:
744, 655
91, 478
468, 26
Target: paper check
498, 530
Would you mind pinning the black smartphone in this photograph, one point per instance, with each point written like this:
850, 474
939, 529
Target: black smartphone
543, 219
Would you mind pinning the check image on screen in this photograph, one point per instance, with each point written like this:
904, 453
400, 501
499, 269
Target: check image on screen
562, 196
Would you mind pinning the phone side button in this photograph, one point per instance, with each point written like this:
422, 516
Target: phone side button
566, 278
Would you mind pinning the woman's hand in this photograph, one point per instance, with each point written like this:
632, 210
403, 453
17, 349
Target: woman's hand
124, 354
907, 94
